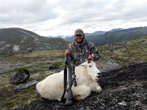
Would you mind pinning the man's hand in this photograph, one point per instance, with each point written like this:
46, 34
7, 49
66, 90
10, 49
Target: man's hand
91, 57
67, 51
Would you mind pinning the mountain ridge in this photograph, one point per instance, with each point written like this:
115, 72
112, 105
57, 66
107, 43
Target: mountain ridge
14, 40
115, 35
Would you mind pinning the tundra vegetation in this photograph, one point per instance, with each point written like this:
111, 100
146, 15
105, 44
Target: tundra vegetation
38, 62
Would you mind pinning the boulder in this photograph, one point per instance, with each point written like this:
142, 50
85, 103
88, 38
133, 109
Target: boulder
19, 77
52, 67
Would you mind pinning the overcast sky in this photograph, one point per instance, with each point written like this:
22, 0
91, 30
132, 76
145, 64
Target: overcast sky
62, 17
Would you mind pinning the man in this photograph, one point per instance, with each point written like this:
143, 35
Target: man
79, 51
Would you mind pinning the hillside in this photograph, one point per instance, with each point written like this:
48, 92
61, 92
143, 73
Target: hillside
125, 53
123, 89
14, 40
115, 35
123, 78
122, 35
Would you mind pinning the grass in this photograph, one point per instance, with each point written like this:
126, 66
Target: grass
15, 99
33, 57
9, 99
38, 61
125, 53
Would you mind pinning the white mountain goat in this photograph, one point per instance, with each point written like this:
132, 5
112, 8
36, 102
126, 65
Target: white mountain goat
87, 74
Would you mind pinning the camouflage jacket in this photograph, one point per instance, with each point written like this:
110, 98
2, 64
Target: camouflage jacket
80, 52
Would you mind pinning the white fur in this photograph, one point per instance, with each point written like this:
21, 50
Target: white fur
52, 87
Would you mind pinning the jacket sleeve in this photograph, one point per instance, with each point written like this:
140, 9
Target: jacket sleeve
71, 50
94, 51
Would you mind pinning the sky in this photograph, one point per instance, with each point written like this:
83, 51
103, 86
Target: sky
63, 17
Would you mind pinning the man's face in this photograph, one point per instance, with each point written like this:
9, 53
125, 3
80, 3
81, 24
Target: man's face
79, 38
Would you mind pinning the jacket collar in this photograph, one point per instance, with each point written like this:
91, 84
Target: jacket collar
81, 44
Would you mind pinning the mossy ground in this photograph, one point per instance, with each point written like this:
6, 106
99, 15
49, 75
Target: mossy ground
38, 62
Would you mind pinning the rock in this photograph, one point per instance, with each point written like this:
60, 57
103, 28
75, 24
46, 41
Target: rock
52, 67
25, 85
19, 77
123, 103
107, 66
16, 48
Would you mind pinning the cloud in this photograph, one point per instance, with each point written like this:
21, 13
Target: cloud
62, 17
25, 11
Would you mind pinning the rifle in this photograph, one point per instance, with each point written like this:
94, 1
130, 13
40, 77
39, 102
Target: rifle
71, 76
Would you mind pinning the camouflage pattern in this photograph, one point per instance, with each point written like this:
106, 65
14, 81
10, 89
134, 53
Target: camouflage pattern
79, 31
80, 52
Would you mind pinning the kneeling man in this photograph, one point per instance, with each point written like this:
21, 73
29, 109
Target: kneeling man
79, 51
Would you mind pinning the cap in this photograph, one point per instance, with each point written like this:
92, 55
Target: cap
79, 32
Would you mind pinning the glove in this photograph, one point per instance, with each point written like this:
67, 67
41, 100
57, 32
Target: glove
67, 51
91, 57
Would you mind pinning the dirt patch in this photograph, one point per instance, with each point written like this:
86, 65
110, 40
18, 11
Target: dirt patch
123, 89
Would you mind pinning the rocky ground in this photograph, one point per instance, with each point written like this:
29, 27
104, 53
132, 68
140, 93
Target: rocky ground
123, 89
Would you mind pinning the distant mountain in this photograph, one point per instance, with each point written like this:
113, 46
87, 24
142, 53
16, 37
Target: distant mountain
98, 32
116, 30
121, 35
19, 40
115, 35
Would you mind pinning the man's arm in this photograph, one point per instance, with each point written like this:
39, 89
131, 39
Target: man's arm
94, 54
69, 51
